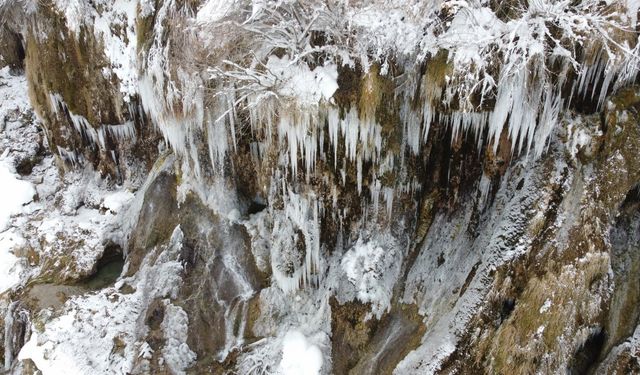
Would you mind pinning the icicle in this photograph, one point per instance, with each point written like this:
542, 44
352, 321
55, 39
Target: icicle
8, 336
359, 174
217, 141
548, 119
70, 156
350, 127
483, 189
388, 198
300, 130
333, 122
374, 190
412, 128
232, 122
427, 119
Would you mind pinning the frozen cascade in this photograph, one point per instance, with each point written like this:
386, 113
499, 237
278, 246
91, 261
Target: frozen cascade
8, 336
173, 95
296, 101
234, 334
236, 309
291, 269
17, 327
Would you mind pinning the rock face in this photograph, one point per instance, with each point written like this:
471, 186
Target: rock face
321, 187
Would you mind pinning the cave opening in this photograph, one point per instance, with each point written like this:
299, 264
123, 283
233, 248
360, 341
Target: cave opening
108, 269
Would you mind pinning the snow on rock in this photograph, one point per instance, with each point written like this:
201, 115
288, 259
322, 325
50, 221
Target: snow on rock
10, 266
120, 46
114, 202
70, 236
101, 333
13, 94
449, 255
372, 269
580, 136
15, 193
298, 82
176, 352
299, 355
114, 23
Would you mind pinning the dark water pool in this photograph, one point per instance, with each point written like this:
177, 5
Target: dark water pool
106, 276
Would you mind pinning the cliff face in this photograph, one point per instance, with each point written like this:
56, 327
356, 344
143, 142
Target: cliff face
320, 187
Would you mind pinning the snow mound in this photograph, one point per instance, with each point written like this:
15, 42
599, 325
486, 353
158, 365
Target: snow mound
299, 355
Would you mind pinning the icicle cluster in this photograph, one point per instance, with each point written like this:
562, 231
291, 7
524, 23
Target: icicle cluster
96, 136
293, 267
454, 64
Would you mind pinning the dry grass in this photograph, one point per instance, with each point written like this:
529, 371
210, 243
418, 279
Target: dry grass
521, 342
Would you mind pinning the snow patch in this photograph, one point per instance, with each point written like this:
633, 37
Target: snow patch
299, 355
15, 193
214, 10
297, 81
10, 266
114, 202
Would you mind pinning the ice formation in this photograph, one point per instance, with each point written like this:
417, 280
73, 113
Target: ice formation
303, 131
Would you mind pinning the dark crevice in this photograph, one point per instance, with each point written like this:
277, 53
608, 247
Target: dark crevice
257, 205
508, 305
469, 278
188, 256
441, 259
588, 353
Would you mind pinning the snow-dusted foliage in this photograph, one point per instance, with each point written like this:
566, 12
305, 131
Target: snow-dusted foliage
465, 65
525, 63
